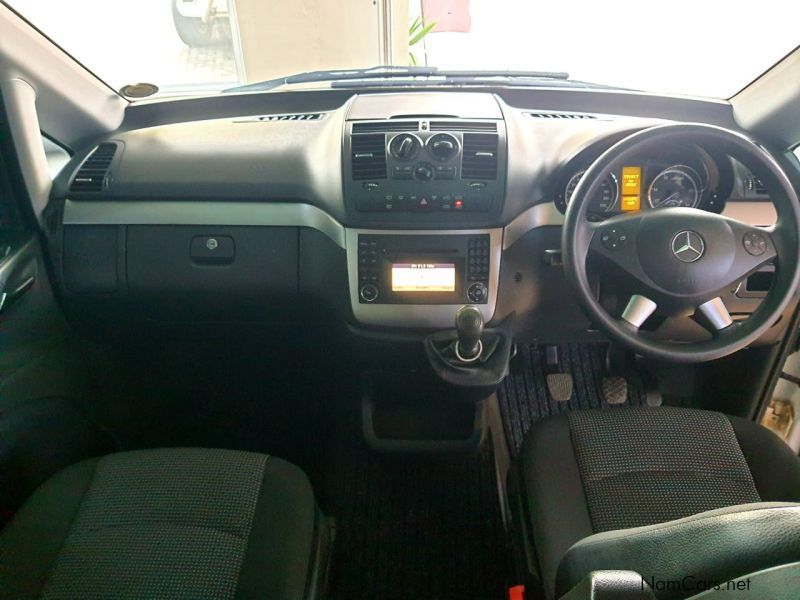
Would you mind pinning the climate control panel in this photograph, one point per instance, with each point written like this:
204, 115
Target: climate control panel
424, 166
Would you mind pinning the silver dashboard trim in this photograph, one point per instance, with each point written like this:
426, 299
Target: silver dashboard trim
434, 316
540, 215
157, 212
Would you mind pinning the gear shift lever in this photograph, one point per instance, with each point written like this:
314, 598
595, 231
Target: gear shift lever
469, 325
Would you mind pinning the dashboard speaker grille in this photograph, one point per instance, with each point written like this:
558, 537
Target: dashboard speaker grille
554, 115
368, 156
293, 117
480, 156
92, 174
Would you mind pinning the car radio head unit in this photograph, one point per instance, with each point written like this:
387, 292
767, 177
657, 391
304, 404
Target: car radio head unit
423, 277
423, 269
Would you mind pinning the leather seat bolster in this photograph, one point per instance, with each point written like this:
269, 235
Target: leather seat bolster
717, 545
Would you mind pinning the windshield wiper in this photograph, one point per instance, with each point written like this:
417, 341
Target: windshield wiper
389, 72
335, 75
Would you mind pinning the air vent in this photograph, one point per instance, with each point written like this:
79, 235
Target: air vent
385, 126
480, 156
368, 156
570, 116
463, 126
92, 174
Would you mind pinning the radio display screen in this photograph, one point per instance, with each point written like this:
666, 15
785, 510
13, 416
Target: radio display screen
423, 277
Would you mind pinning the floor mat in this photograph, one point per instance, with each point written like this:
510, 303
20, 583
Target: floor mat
426, 527
524, 398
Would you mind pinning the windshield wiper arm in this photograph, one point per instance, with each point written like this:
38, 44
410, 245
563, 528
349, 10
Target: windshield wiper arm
495, 74
389, 72
336, 75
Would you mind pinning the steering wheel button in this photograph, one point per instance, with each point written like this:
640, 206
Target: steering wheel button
754, 243
614, 238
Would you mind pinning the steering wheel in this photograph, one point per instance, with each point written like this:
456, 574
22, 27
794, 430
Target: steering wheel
678, 262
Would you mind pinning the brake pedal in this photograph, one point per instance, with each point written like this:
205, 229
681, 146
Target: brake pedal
615, 390
560, 386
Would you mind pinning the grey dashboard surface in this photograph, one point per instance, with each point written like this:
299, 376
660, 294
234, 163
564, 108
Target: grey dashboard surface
219, 149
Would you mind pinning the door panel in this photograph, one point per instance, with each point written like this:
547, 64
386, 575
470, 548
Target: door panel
45, 424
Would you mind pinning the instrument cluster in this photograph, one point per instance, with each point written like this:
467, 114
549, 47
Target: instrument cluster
687, 176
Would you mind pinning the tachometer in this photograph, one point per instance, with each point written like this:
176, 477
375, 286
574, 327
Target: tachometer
678, 185
604, 200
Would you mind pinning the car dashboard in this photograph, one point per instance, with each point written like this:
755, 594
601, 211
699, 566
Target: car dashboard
391, 209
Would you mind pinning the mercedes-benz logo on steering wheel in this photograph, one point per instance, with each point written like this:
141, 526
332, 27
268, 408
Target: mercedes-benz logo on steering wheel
688, 246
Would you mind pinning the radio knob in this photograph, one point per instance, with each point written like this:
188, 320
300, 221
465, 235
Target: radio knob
423, 172
369, 292
477, 293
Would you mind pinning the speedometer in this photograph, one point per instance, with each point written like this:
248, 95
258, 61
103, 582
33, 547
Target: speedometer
604, 200
678, 185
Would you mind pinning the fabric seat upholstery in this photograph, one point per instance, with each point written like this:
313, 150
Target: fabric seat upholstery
167, 523
583, 473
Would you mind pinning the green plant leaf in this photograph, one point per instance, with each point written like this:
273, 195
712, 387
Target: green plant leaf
415, 24
412, 59
416, 39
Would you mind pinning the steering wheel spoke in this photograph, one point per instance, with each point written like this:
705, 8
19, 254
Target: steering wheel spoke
638, 310
714, 315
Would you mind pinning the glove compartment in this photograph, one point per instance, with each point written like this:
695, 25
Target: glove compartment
191, 273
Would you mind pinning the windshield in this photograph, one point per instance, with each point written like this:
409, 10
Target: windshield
687, 47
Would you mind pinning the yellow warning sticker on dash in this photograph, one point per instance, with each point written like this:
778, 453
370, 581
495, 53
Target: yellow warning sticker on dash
630, 203
631, 189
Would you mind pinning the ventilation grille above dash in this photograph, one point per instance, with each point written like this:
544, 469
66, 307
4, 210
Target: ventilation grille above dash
553, 115
463, 126
385, 126
290, 117
91, 175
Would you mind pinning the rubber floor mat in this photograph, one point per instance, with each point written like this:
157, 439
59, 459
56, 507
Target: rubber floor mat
524, 397
417, 527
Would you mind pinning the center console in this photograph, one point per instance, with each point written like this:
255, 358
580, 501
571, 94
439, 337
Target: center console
423, 269
422, 191
419, 278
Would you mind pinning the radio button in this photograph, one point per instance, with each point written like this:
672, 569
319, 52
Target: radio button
369, 292
477, 293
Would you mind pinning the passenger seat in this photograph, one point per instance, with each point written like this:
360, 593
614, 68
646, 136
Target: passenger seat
168, 523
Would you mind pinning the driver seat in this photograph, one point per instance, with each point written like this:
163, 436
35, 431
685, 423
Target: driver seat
661, 491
